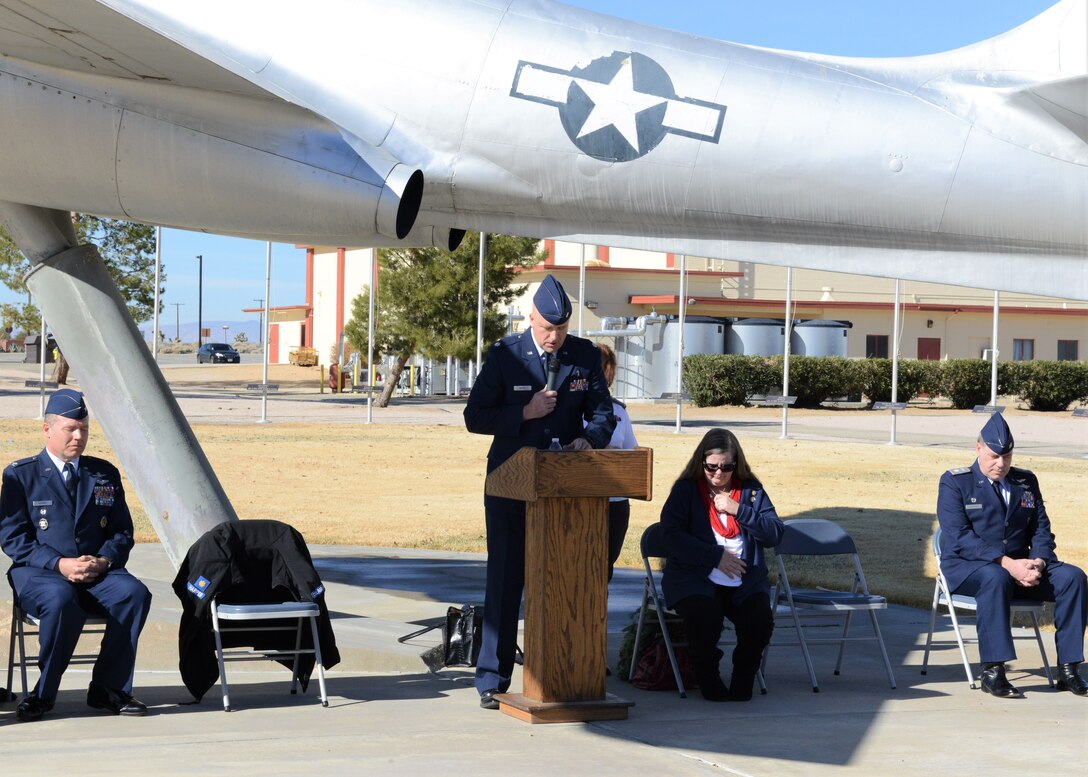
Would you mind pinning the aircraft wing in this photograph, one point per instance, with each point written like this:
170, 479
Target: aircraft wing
84, 36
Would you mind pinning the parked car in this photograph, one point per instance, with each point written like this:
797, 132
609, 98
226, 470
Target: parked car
217, 353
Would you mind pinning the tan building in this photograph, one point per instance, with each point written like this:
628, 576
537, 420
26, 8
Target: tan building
334, 277
937, 322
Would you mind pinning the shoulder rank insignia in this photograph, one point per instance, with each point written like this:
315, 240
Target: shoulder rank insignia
959, 471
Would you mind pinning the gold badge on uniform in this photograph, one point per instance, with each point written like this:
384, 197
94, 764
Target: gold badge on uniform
103, 522
43, 524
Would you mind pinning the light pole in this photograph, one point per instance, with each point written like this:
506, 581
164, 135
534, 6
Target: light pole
200, 300
177, 320
225, 328
260, 323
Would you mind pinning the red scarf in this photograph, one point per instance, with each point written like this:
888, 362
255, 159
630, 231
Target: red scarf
730, 528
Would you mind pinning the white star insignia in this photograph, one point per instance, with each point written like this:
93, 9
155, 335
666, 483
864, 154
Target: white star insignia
617, 104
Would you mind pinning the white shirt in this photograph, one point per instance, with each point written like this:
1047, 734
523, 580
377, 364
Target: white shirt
733, 545
60, 464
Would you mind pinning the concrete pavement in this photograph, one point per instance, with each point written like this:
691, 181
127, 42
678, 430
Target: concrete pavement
387, 715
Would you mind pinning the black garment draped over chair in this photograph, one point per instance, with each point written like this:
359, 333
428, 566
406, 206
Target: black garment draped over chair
255, 561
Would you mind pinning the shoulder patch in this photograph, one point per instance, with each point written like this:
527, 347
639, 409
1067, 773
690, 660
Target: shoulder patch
959, 471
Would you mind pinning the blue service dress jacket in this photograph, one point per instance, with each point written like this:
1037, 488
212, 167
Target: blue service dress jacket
514, 372
39, 524
693, 552
977, 528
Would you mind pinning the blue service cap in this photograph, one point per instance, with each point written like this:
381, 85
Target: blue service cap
552, 302
997, 435
67, 403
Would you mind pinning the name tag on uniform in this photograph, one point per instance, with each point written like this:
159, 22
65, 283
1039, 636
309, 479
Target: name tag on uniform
45, 503
523, 388
972, 507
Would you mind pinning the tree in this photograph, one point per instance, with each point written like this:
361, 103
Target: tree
427, 300
129, 253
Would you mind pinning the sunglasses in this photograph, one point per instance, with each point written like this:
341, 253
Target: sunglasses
719, 467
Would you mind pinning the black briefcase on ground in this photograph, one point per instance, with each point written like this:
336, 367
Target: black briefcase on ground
462, 630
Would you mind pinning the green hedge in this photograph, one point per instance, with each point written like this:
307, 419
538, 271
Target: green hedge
814, 379
915, 377
725, 379
966, 382
1047, 385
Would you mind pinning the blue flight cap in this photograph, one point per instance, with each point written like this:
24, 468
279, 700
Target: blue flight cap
67, 403
997, 435
552, 302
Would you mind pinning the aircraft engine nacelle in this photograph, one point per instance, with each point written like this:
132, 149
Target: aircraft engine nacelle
196, 160
426, 236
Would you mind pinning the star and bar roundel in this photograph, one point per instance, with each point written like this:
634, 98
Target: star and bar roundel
620, 107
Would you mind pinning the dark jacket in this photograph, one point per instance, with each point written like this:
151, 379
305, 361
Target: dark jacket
693, 552
246, 562
39, 524
513, 373
977, 528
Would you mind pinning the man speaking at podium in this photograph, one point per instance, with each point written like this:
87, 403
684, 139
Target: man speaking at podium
534, 387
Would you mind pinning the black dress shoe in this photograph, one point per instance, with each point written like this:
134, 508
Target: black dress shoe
713, 689
113, 701
995, 683
1069, 679
488, 700
32, 708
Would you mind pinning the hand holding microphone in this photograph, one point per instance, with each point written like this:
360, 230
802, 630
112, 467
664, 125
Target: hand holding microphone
543, 402
553, 372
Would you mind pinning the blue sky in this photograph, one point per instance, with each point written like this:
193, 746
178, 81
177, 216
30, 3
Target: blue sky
234, 269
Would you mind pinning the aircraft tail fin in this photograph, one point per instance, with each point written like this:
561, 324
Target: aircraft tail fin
1054, 42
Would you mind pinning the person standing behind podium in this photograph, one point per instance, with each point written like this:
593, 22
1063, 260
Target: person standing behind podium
512, 401
623, 438
66, 527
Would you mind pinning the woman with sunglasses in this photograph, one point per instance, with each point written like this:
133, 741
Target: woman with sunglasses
715, 526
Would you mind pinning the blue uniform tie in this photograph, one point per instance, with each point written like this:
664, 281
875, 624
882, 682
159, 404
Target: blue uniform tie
72, 481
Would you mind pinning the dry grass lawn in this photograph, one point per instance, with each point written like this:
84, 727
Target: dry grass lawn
422, 486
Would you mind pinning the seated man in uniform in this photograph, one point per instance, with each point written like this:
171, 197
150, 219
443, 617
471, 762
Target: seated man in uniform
65, 525
996, 544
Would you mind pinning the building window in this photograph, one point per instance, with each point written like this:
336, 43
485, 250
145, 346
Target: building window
876, 346
1067, 350
1023, 350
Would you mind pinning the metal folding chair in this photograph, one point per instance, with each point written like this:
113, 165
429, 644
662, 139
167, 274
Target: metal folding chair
803, 606
24, 625
652, 601
943, 597
262, 616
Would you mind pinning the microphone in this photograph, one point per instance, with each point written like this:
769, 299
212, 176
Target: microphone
553, 372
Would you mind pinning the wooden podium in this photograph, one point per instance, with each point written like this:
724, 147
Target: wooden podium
566, 575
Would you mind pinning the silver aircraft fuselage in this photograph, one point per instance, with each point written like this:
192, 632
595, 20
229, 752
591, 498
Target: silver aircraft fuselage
355, 122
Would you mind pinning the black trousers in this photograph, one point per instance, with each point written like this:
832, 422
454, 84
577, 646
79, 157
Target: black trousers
619, 516
704, 618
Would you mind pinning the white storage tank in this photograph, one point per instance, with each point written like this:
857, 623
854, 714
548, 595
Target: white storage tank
820, 338
756, 337
647, 364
